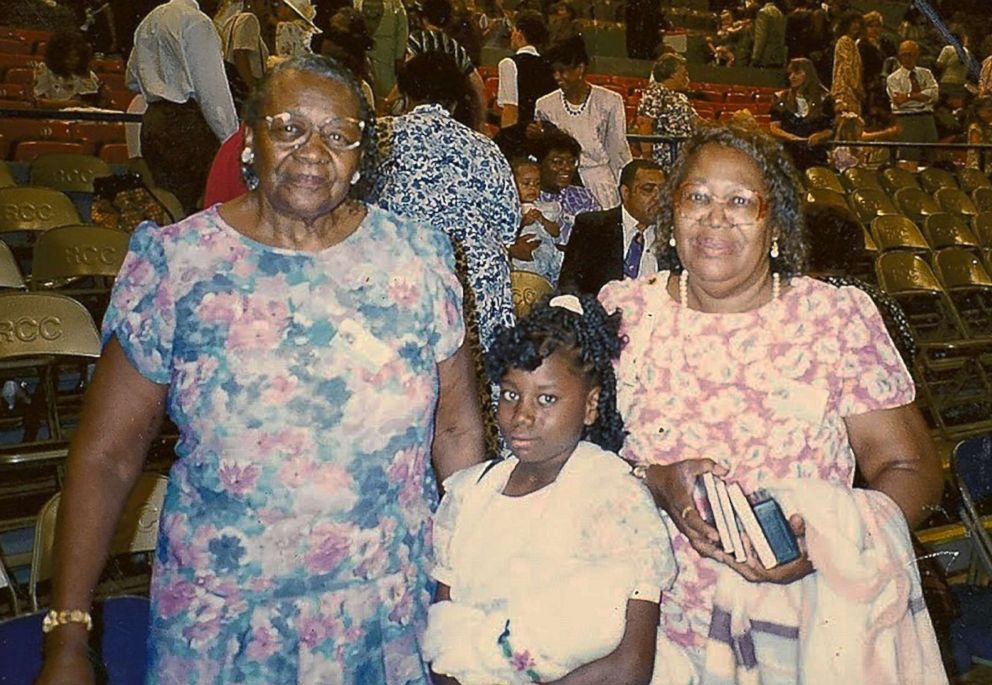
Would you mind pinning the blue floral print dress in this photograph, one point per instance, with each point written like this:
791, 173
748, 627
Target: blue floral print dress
437, 171
295, 537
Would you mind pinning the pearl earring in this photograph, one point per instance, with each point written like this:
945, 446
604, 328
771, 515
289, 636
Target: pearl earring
671, 241
247, 155
355, 177
774, 251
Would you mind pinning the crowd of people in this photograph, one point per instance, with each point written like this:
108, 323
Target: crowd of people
385, 475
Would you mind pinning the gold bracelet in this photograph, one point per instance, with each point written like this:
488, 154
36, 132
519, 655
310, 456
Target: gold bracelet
54, 618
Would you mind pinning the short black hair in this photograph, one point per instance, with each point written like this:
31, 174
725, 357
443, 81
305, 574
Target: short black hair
431, 77
58, 48
629, 172
570, 52
531, 23
437, 12
553, 139
593, 341
666, 66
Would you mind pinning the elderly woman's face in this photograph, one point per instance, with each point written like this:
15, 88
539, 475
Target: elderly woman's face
558, 170
722, 231
307, 144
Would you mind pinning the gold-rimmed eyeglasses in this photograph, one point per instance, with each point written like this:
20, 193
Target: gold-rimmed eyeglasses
741, 207
291, 129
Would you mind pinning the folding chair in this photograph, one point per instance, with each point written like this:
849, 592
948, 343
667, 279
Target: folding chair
869, 203
969, 287
10, 272
31, 208
915, 203
68, 172
982, 197
822, 177
856, 178
136, 532
982, 226
955, 201
949, 230
933, 179
827, 198
6, 177
29, 150
896, 232
527, 289
894, 179
969, 179
971, 464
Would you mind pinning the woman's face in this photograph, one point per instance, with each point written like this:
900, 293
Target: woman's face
568, 77
722, 231
797, 77
873, 31
308, 177
854, 30
558, 170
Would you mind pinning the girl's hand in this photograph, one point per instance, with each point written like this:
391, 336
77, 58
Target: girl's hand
672, 486
786, 573
523, 248
533, 214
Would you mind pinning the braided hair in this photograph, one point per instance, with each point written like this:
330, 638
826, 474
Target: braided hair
591, 341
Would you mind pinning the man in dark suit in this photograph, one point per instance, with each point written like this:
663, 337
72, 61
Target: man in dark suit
616, 243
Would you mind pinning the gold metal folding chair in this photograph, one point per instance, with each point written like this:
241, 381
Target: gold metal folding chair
857, 178
895, 178
10, 272
948, 230
869, 203
969, 179
68, 172
527, 289
933, 179
31, 208
916, 203
955, 201
896, 232
822, 177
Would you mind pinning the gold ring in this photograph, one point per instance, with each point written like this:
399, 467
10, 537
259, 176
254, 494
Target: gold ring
685, 510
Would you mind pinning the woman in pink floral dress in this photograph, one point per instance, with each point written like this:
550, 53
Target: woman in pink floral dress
738, 365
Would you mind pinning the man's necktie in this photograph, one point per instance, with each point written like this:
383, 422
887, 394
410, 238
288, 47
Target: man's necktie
632, 262
914, 83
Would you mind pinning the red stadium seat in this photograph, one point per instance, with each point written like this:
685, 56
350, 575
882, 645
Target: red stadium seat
20, 75
487, 72
26, 151
39, 48
15, 130
8, 61
114, 153
97, 132
114, 80
30, 35
14, 91
108, 65
14, 46
120, 99
13, 104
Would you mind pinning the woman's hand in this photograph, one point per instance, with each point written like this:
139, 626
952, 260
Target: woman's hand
783, 574
67, 662
672, 486
523, 248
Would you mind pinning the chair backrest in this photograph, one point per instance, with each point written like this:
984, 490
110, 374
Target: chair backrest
137, 528
932, 179
826, 198
527, 289
45, 324
10, 272
28, 208
896, 232
894, 179
138, 165
982, 197
857, 177
969, 179
905, 272
981, 224
971, 463
915, 203
948, 230
30, 150
955, 201
960, 268
71, 251
822, 177
68, 172
869, 203
169, 201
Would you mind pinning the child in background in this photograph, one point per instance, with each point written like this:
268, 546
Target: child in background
980, 132
540, 220
851, 129
65, 79
552, 561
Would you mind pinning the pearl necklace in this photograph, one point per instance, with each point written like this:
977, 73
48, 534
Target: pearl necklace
571, 109
684, 293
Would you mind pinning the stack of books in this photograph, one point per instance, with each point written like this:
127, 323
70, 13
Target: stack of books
759, 517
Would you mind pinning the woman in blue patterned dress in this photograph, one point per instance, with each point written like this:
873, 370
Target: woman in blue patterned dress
309, 347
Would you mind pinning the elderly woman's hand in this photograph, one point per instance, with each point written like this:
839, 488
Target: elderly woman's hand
672, 485
784, 574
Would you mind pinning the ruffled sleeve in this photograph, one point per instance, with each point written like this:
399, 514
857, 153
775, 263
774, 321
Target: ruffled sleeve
142, 311
628, 526
456, 488
873, 372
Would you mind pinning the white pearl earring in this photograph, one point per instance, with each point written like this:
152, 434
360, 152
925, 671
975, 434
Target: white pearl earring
671, 241
355, 177
774, 251
247, 155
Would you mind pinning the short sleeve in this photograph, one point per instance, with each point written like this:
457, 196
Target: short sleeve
142, 311
874, 375
446, 519
506, 94
244, 33
628, 526
445, 293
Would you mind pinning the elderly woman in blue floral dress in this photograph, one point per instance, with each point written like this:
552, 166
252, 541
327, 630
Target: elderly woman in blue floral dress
309, 347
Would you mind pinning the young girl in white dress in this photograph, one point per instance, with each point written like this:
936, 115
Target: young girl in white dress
551, 562
540, 219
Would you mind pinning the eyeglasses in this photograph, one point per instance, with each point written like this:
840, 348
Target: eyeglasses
741, 206
290, 129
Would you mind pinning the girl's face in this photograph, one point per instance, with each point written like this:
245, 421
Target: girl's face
873, 31
528, 179
542, 413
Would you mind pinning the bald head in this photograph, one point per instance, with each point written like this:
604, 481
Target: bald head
909, 53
